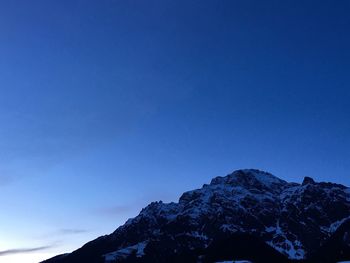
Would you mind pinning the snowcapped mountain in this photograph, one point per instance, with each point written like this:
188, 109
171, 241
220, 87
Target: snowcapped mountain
247, 215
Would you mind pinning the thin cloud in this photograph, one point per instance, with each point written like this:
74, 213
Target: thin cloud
71, 231
23, 250
63, 232
115, 210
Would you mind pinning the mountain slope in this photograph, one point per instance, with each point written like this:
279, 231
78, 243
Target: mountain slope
280, 220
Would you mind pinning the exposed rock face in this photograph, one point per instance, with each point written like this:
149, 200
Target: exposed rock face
308, 180
292, 220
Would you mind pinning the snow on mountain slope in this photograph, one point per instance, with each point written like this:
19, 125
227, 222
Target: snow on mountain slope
138, 249
294, 219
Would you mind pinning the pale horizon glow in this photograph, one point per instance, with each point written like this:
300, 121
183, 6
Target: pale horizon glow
26, 257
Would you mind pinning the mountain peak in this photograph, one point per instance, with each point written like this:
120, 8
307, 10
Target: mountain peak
254, 209
250, 178
308, 180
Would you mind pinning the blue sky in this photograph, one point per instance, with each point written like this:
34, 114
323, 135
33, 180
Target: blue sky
108, 105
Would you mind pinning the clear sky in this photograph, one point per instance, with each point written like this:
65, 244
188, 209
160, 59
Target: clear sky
107, 105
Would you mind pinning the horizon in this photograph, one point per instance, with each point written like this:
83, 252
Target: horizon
109, 105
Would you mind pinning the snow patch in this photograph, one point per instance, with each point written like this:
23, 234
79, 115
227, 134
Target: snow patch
270, 229
123, 253
335, 225
291, 249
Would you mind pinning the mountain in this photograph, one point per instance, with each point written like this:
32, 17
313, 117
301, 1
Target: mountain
247, 215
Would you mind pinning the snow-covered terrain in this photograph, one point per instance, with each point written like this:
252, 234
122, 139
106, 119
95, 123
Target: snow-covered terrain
294, 219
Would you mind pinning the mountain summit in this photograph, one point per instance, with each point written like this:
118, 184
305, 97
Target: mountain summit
249, 214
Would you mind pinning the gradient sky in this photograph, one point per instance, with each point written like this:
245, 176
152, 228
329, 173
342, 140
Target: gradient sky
107, 105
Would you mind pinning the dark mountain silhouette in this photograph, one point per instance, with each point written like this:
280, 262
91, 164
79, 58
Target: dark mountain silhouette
249, 214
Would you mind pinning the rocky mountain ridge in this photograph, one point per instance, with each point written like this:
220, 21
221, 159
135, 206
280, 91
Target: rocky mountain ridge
293, 220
